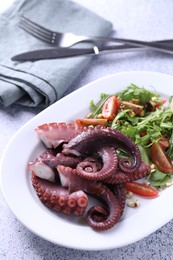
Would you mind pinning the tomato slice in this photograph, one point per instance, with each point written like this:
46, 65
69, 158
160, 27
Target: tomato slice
110, 108
163, 101
160, 159
141, 189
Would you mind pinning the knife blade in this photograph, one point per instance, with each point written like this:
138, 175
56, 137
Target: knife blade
56, 53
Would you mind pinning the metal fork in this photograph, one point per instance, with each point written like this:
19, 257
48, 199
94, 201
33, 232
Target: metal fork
69, 39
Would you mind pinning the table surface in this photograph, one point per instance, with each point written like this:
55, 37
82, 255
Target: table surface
145, 20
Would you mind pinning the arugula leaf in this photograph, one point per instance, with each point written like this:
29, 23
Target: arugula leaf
123, 116
144, 154
135, 92
96, 109
127, 124
170, 149
156, 124
130, 131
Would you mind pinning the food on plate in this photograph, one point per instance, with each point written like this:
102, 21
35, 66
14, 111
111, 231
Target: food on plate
103, 155
147, 119
81, 161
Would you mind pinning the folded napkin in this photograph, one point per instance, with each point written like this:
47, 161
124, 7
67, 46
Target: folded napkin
41, 83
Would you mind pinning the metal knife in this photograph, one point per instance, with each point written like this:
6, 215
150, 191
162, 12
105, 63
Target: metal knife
55, 53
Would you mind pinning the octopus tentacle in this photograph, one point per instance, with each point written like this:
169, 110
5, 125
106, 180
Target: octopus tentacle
88, 170
69, 179
58, 198
54, 134
96, 161
122, 177
108, 216
86, 143
45, 165
43, 171
105, 221
98, 213
52, 159
125, 164
120, 192
70, 161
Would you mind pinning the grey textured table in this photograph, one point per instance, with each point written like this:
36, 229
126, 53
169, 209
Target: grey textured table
145, 20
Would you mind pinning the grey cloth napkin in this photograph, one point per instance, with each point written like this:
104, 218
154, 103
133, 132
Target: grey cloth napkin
41, 83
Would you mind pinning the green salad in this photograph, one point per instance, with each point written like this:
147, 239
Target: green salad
147, 119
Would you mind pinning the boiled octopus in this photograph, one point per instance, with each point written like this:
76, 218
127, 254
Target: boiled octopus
85, 161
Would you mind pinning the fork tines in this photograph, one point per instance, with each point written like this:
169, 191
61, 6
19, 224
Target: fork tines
37, 30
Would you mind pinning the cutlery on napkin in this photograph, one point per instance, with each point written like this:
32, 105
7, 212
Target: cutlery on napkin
57, 53
41, 83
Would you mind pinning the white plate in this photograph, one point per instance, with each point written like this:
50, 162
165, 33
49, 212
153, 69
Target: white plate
25, 146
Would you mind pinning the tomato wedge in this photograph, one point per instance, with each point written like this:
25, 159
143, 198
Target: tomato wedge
160, 159
141, 189
163, 101
110, 108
